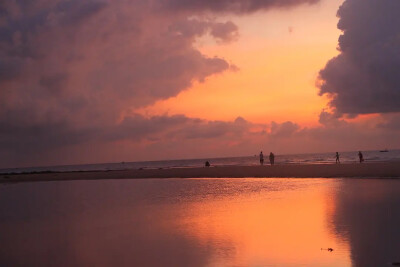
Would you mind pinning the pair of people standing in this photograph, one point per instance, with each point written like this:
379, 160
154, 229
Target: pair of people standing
360, 156
271, 158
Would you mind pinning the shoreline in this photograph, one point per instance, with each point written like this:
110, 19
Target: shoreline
347, 170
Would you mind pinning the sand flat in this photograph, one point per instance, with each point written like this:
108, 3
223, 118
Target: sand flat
375, 170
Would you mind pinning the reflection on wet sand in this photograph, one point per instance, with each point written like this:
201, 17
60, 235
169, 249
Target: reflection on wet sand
280, 228
86, 224
367, 215
198, 222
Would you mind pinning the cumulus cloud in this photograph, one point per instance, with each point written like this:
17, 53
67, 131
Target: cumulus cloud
285, 129
330, 119
365, 77
73, 72
82, 64
94, 59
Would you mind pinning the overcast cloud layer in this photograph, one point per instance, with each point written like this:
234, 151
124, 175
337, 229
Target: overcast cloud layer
72, 74
365, 77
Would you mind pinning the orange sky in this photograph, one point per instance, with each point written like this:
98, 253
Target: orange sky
154, 80
279, 54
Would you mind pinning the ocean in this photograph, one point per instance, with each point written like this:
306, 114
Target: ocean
311, 158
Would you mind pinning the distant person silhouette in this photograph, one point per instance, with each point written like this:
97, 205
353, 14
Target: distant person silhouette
261, 158
271, 158
360, 156
207, 164
337, 157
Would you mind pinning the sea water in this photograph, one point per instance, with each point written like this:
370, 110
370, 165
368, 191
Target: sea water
201, 222
313, 158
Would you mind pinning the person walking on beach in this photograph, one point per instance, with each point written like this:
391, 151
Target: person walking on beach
261, 158
360, 156
337, 157
271, 158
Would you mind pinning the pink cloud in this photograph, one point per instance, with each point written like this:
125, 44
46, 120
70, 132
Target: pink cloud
69, 70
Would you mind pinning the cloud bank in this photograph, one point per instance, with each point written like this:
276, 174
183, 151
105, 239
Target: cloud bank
365, 77
72, 72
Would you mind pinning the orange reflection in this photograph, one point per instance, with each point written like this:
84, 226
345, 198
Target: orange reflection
272, 227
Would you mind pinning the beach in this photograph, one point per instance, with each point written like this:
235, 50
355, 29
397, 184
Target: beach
349, 170
203, 222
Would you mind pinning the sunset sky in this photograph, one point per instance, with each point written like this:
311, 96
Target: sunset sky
130, 80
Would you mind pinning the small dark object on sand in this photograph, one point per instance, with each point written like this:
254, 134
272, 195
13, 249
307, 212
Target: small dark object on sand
328, 249
207, 164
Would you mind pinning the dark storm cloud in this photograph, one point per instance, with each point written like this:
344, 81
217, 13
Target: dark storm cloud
78, 11
28, 144
36, 138
236, 6
84, 63
9, 68
53, 82
365, 77
73, 71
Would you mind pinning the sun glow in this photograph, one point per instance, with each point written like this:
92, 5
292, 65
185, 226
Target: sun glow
279, 56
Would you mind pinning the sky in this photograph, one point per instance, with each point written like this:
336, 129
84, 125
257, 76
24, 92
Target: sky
133, 80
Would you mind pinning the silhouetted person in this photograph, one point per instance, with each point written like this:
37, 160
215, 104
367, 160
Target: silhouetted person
207, 164
261, 158
360, 156
337, 157
271, 158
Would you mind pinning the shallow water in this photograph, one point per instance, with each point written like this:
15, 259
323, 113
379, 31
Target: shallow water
201, 222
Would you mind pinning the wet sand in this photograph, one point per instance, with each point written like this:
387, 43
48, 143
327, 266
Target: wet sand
367, 170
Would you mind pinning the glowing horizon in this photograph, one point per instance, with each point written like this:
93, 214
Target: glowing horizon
277, 66
106, 81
